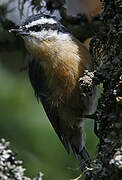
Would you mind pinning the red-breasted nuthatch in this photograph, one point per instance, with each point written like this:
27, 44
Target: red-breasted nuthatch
59, 60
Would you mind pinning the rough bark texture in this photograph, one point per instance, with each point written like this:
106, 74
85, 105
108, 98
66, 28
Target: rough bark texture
108, 117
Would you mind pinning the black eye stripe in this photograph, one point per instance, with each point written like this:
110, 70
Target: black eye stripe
47, 26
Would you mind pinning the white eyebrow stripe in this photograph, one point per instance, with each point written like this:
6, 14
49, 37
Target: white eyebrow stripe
44, 34
41, 21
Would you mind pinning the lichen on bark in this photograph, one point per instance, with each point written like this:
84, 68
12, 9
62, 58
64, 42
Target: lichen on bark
108, 117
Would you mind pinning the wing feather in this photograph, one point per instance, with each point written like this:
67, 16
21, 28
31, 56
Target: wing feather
42, 92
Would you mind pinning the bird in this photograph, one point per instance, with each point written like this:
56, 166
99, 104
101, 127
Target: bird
57, 62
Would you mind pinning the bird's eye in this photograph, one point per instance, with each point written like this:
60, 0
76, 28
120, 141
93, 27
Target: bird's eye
23, 27
35, 28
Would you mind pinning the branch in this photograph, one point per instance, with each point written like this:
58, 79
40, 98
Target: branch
10, 168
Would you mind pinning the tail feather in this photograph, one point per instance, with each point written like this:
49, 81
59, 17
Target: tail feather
82, 157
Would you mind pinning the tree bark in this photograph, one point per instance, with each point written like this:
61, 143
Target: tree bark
107, 47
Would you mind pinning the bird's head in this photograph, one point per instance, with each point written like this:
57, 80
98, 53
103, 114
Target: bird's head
41, 27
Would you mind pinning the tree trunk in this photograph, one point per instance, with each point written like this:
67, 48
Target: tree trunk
108, 121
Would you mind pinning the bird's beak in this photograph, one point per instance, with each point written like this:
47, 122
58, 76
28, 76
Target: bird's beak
19, 31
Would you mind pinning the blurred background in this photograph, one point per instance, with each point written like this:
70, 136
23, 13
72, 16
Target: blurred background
22, 119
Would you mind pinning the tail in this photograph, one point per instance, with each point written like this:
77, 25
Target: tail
79, 149
82, 157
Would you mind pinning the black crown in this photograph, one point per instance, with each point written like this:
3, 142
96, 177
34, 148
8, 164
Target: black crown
47, 26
